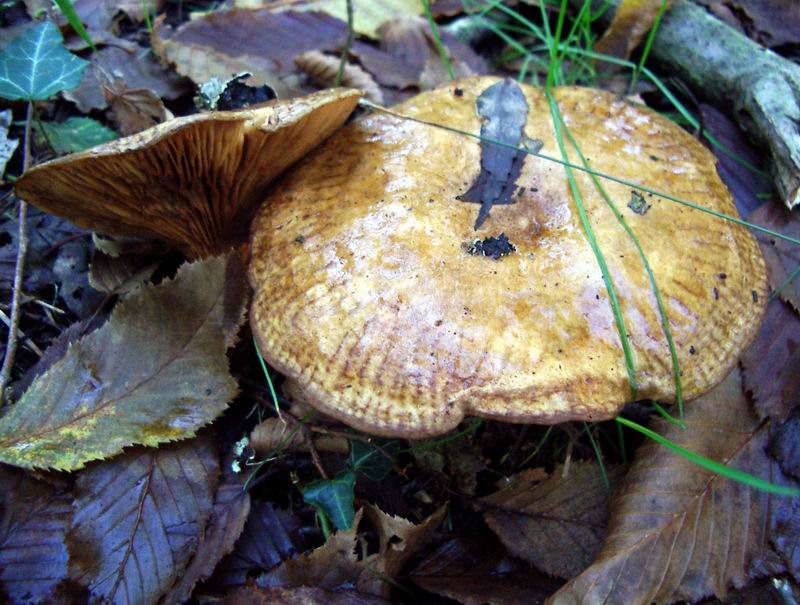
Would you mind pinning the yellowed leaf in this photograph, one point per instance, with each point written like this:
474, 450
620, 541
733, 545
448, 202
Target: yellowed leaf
632, 20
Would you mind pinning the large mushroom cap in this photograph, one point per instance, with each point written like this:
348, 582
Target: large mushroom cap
195, 181
367, 297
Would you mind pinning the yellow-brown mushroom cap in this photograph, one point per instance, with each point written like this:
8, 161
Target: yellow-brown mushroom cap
193, 182
367, 299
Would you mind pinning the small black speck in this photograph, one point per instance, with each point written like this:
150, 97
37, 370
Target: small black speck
597, 296
534, 189
716, 294
458, 92
692, 350
722, 276
654, 158
299, 239
208, 392
755, 295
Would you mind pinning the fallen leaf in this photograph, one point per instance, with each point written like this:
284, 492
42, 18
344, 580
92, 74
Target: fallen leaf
272, 435
134, 109
331, 566
782, 257
771, 365
227, 521
141, 378
772, 591
399, 540
677, 531
334, 498
270, 536
222, 44
7, 146
138, 519
770, 22
138, 68
367, 14
254, 595
785, 534
323, 70
33, 556
785, 445
120, 274
475, 573
559, 524
74, 134
35, 65
632, 20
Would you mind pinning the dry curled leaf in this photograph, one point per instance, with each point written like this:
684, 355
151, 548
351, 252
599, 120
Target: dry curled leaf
272, 435
557, 525
134, 109
33, 556
677, 531
155, 372
782, 257
120, 274
231, 509
323, 69
139, 518
632, 20
771, 364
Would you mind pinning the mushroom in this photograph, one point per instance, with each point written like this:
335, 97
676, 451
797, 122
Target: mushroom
406, 275
194, 181
376, 296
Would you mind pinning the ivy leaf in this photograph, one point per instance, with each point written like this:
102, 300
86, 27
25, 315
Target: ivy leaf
334, 497
35, 65
374, 461
155, 372
74, 134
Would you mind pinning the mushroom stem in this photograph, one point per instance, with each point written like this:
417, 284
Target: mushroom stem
19, 271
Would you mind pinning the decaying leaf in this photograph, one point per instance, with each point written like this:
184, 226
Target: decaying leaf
134, 109
785, 445
772, 363
304, 595
677, 531
120, 274
272, 436
782, 257
367, 14
156, 372
770, 22
7, 146
474, 573
35, 517
139, 518
231, 509
322, 69
632, 20
328, 567
557, 525
269, 537
399, 540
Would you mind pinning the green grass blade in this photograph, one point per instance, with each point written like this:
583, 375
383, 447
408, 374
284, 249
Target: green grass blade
269, 380
789, 279
601, 261
438, 40
648, 45
598, 454
712, 465
74, 20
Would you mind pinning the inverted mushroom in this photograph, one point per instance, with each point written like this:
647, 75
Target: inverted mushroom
193, 182
375, 296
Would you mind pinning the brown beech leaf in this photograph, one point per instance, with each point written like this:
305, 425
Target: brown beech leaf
323, 70
475, 573
273, 435
328, 567
782, 257
231, 508
677, 531
304, 595
34, 518
557, 525
785, 445
632, 20
223, 43
134, 109
771, 365
120, 274
138, 519
155, 372
399, 540
270, 536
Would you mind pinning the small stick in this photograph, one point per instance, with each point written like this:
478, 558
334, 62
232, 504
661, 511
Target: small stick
22, 249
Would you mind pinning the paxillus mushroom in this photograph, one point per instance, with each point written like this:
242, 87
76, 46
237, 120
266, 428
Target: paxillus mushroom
406, 275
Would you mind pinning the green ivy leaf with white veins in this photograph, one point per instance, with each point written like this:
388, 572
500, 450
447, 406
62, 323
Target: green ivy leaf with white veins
35, 65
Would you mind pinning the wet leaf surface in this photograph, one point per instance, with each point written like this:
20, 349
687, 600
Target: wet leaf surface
35, 516
677, 531
139, 518
99, 399
559, 524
